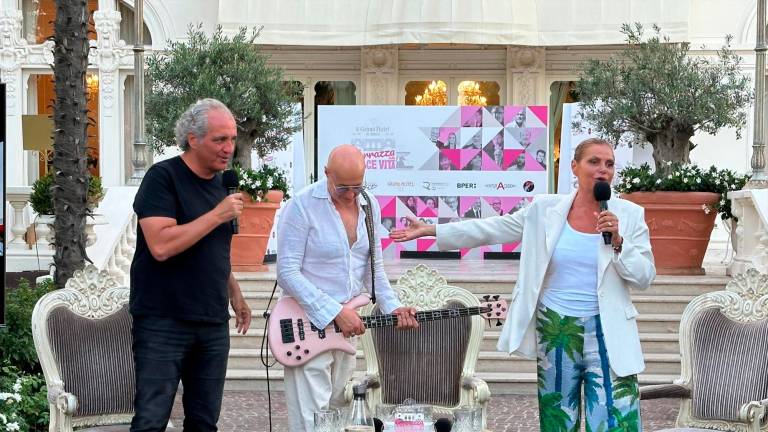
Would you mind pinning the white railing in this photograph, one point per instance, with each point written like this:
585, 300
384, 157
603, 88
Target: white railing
116, 239
111, 233
750, 206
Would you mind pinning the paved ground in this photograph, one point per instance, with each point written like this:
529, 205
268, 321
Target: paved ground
248, 411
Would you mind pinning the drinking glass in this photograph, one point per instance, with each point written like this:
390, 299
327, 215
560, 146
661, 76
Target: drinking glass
477, 419
327, 420
462, 420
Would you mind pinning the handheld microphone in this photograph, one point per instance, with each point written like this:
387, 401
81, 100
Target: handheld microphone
602, 193
230, 181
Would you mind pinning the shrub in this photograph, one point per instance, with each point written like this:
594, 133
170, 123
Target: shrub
16, 343
23, 401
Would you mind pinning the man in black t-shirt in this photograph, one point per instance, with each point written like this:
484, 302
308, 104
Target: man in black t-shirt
181, 279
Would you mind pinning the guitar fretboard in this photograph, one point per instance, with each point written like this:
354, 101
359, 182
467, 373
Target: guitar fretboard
376, 321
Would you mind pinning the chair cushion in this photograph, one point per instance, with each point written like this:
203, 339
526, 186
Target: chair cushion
727, 359
95, 360
424, 365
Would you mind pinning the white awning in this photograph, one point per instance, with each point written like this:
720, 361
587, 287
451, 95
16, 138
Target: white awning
502, 22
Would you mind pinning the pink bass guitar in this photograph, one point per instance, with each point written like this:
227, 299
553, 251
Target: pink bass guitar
294, 340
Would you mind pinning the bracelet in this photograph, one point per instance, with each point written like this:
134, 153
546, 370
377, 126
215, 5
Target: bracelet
617, 248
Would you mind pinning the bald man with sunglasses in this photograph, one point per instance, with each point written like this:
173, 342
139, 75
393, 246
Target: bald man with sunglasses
323, 262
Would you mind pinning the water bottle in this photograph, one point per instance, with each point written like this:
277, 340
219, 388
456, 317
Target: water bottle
359, 414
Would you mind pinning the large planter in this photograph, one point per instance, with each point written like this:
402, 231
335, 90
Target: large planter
250, 244
679, 227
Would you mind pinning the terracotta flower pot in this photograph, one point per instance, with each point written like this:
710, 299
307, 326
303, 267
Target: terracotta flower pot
250, 244
679, 227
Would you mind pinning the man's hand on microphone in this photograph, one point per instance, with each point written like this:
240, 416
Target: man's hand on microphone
230, 207
608, 222
349, 322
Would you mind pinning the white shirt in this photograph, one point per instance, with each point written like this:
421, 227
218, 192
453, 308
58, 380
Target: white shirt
570, 284
315, 263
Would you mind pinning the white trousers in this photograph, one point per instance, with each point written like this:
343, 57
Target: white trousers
318, 384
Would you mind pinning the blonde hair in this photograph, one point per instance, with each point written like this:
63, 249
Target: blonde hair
589, 142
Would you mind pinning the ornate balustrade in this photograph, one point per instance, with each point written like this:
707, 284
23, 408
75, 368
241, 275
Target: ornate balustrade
750, 206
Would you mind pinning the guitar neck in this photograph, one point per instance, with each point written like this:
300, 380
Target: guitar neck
377, 321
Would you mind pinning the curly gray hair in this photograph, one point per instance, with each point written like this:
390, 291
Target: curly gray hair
195, 120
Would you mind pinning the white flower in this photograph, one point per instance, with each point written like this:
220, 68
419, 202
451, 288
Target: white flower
685, 180
698, 180
669, 163
635, 180
17, 386
658, 181
669, 176
3, 419
732, 187
12, 426
706, 209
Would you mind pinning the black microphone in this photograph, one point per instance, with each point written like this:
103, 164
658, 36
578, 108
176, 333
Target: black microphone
230, 181
602, 195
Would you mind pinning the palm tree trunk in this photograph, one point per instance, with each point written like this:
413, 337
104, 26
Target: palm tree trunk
70, 187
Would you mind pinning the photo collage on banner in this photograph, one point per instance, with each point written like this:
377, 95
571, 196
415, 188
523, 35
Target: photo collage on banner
444, 164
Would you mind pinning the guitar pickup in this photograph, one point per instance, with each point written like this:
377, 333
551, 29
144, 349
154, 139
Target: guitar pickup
320, 332
300, 325
286, 330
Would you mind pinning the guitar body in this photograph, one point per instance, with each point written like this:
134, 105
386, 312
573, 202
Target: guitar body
294, 340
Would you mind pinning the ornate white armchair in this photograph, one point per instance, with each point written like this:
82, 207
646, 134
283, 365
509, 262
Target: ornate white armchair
433, 365
82, 335
724, 354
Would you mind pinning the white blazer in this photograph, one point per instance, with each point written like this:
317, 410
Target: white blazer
538, 226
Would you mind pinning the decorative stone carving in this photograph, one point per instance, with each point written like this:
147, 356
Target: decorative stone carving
379, 74
379, 59
13, 48
108, 49
526, 74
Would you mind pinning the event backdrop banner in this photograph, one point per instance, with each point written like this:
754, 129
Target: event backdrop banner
442, 164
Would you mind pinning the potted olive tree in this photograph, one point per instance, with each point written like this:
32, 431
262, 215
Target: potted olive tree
659, 93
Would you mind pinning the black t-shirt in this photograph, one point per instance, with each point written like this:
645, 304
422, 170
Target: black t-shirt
193, 284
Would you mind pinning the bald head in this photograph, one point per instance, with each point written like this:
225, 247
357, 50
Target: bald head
345, 160
345, 167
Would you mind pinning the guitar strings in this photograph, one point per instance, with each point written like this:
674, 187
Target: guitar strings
392, 319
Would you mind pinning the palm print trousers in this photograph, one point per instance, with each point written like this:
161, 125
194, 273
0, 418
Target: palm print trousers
573, 366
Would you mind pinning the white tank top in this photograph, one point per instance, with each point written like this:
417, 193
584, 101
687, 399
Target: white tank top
570, 284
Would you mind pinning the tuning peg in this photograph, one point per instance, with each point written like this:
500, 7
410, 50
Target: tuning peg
498, 323
487, 298
496, 297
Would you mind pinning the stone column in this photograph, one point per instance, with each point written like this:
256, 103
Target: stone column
107, 57
526, 84
13, 51
18, 197
379, 76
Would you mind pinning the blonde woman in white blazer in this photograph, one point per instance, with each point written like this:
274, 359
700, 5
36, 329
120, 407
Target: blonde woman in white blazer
571, 307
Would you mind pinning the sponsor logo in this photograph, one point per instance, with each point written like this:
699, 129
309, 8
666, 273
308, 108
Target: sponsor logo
433, 185
500, 186
466, 185
401, 184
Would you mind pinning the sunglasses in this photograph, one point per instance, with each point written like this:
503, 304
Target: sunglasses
344, 189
